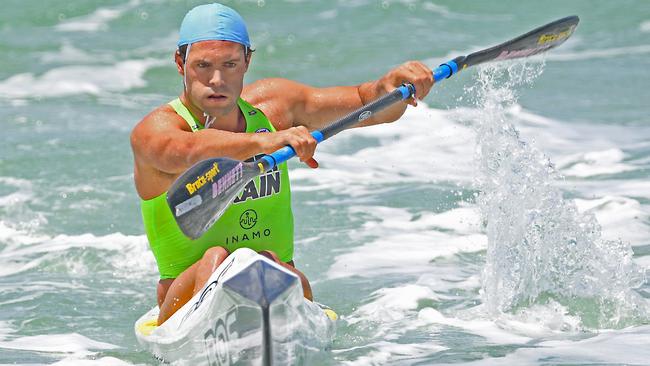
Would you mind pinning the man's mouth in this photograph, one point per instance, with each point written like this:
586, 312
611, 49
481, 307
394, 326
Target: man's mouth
217, 97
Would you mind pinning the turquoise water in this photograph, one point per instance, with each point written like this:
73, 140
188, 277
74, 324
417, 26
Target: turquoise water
504, 220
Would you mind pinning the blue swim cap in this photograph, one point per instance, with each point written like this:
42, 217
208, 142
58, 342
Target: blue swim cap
213, 22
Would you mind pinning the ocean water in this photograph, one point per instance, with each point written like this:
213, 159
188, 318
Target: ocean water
505, 220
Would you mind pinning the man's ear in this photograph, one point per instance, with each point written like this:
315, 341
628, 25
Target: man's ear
178, 59
248, 57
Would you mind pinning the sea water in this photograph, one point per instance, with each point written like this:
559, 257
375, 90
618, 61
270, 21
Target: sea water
505, 220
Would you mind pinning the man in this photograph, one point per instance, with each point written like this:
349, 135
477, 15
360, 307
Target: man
216, 115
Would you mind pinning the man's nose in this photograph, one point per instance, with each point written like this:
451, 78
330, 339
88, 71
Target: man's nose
217, 78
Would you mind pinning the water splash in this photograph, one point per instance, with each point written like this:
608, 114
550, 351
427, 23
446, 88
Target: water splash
541, 249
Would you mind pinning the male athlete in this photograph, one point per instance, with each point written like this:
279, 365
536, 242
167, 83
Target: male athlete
217, 116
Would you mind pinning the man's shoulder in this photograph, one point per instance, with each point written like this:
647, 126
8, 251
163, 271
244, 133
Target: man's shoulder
263, 90
162, 117
159, 120
278, 98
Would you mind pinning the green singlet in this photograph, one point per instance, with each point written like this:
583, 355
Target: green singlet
260, 217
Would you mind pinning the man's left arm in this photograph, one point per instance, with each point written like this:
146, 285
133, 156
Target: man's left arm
289, 104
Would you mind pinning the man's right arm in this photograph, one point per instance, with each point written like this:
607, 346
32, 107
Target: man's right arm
163, 141
164, 147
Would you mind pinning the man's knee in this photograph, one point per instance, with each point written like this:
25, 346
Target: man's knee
270, 255
215, 253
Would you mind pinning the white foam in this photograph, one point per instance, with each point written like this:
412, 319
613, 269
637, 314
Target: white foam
385, 352
25, 251
484, 328
71, 80
5, 329
15, 198
620, 218
598, 54
592, 163
404, 243
96, 21
645, 26
23, 194
644, 262
104, 361
627, 346
69, 54
572, 138
444, 12
424, 146
56, 343
391, 304
328, 14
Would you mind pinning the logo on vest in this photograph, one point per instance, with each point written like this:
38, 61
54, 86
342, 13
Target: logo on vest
263, 129
267, 185
248, 219
252, 112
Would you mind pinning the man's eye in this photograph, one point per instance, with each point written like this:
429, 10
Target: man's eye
203, 64
230, 64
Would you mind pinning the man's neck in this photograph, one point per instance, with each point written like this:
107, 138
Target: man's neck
234, 121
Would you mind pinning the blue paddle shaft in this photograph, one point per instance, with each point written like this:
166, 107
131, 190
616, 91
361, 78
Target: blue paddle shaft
445, 70
401, 93
287, 152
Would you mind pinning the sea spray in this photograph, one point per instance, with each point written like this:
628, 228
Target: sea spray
541, 249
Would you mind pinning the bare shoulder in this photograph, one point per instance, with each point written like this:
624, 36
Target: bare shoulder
265, 90
278, 98
157, 122
149, 140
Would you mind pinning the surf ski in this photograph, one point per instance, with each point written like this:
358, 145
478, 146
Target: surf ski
250, 312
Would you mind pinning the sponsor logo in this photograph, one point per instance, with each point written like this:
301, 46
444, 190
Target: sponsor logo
262, 130
203, 179
251, 235
216, 339
252, 112
248, 219
188, 205
266, 185
544, 42
365, 115
227, 180
547, 38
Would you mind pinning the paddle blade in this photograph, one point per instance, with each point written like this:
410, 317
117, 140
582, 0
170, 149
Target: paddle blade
536, 41
201, 195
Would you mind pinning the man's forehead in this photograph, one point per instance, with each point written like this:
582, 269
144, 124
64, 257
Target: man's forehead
217, 47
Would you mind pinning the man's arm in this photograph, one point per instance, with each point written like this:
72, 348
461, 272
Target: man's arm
164, 147
288, 103
163, 140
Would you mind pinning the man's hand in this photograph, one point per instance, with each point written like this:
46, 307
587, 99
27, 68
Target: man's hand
413, 72
298, 138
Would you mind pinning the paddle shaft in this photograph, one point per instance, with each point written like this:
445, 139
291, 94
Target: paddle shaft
197, 205
399, 94
536, 41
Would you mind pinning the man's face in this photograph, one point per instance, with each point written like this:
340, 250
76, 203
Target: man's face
215, 75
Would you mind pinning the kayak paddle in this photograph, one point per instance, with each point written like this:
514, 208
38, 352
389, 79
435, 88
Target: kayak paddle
200, 196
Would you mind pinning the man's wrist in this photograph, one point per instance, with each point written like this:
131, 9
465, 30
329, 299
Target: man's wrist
367, 92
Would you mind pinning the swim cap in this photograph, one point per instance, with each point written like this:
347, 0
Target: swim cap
213, 22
